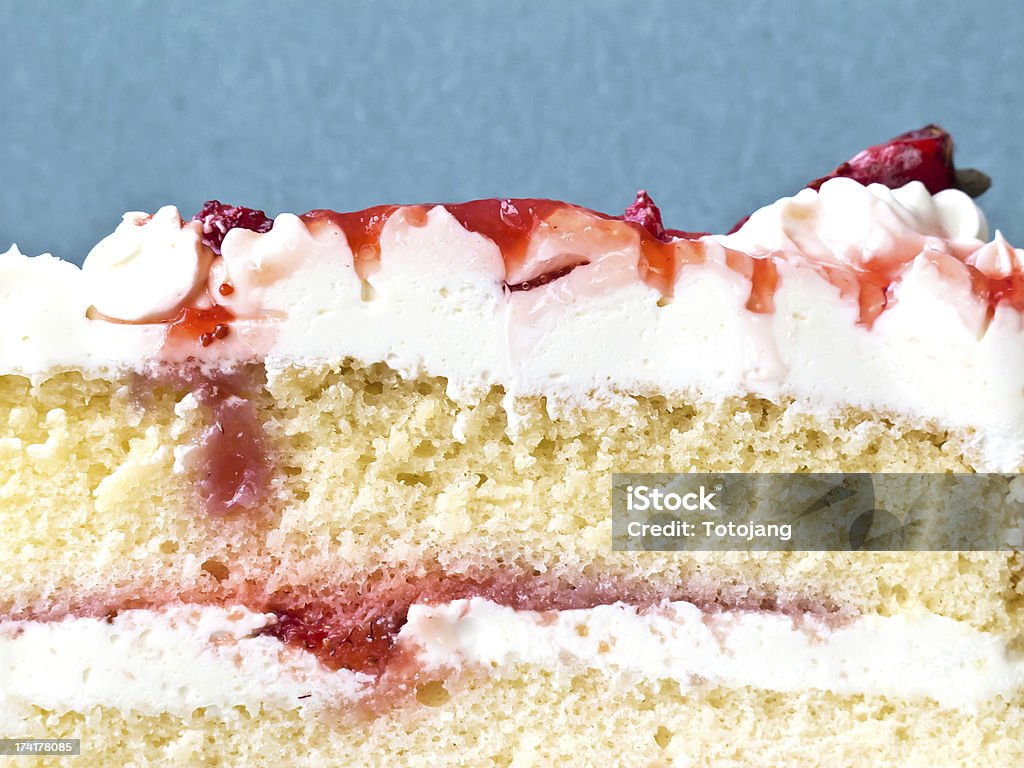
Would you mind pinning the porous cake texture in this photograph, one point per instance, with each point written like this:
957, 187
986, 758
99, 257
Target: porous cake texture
335, 489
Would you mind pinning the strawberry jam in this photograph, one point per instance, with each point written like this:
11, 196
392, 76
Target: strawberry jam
202, 325
362, 231
231, 460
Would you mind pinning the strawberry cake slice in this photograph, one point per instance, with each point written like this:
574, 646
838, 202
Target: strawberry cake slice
334, 489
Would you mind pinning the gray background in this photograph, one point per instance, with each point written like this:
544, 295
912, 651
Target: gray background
714, 107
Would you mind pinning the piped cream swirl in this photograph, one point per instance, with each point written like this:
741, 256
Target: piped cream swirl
147, 268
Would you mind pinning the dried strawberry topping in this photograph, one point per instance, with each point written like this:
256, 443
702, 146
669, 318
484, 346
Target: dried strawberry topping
644, 212
219, 219
924, 155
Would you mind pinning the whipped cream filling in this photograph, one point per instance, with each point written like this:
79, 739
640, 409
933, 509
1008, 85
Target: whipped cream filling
173, 660
187, 656
915, 655
437, 304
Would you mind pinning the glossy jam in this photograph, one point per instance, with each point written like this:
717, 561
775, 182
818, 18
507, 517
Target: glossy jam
507, 223
763, 277
511, 224
997, 290
362, 231
200, 326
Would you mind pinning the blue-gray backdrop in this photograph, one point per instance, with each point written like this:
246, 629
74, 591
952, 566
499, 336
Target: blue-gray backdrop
714, 107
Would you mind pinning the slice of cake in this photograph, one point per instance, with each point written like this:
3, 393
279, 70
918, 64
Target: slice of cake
334, 489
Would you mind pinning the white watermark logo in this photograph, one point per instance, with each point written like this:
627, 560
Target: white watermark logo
643, 498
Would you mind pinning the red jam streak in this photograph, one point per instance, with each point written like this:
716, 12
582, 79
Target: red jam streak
356, 624
362, 230
206, 325
511, 224
202, 325
233, 468
998, 290
507, 223
219, 219
232, 462
362, 637
658, 261
924, 155
663, 252
360, 634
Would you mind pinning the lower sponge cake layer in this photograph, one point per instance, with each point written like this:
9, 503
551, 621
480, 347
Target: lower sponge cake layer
536, 718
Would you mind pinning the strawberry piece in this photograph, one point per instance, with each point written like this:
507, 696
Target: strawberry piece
924, 155
219, 219
644, 212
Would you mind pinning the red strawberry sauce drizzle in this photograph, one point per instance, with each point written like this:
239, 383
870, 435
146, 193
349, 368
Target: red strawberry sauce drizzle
924, 155
204, 322
510, 224
362, 231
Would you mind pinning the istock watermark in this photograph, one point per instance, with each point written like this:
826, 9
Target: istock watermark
817, 512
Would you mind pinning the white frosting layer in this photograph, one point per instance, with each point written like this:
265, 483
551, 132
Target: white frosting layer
187, 657
437, 304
